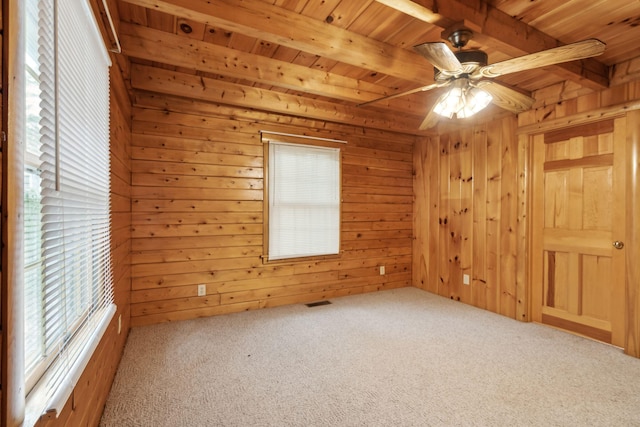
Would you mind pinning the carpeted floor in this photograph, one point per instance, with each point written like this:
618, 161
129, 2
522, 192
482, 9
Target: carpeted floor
394, 358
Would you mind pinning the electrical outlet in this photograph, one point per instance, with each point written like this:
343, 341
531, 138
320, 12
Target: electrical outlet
202, 290
465, 279
119, 324
382, 270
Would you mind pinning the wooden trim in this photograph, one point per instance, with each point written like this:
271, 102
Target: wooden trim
610, 112
303, 137
536, 263
303, 141
265, 203
13, 391
632, 236
620, 265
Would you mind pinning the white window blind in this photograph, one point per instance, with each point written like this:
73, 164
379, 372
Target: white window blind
304, 200
69, 298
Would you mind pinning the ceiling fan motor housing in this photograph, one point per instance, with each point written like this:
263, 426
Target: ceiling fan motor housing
471, 60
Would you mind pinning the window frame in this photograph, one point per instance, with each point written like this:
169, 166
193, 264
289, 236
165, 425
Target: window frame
77, 338
299, 140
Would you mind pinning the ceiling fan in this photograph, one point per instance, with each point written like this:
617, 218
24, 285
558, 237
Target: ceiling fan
469, 77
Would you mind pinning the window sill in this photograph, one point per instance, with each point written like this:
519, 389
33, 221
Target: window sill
298, 260
38, 406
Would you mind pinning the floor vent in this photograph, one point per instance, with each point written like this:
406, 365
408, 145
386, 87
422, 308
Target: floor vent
316, 304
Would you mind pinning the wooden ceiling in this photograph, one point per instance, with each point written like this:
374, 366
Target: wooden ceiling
336, 54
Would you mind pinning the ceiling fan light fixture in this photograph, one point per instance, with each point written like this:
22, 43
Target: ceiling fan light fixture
462, 100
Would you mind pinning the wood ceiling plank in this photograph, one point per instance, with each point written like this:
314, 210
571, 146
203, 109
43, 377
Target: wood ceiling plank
217, 35
285, 54
347, 11
514, 36
161, 21
305, 59
292, 5
324, 64
178, 84
619, 30
242, 42
265, 48
376, 20
261, 20
526, 10
145, 43
132, 13
320, 9
191, 29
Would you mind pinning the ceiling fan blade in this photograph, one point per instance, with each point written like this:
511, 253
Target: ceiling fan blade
440, 56
409, 92
505, 97
431, 120
571, 52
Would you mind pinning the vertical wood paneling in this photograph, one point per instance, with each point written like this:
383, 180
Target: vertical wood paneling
444, 194
433, 225
455, 222
523, 308
479, 226
197, 197
466, 212
474, 231
422, 212
508, 216
494, 199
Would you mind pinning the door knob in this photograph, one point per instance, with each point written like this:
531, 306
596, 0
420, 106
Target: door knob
618, 244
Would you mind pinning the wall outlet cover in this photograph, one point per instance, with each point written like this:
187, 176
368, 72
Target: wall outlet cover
202, 290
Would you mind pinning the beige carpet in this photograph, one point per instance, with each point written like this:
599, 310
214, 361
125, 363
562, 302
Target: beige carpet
395, 358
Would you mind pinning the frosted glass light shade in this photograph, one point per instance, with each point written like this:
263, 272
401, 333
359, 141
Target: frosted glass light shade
463, 100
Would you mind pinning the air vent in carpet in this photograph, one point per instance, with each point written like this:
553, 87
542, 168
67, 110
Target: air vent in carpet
316, 304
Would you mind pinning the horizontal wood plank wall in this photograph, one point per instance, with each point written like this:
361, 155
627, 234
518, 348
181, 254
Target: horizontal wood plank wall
197, 203
465, 215
86, 403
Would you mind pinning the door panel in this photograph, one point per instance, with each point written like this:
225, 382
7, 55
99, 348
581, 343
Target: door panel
577, 278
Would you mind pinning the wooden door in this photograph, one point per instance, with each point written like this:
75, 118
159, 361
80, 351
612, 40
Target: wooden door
578, 213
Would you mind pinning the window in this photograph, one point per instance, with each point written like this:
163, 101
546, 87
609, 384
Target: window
304, 200
68, 299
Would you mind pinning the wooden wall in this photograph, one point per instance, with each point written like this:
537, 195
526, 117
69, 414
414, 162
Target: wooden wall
465, 215
86, 403
197, 202
472, 198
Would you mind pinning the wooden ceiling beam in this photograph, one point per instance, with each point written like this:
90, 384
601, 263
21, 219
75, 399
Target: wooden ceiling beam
265, 21
155, 45
507, 33
195, 87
